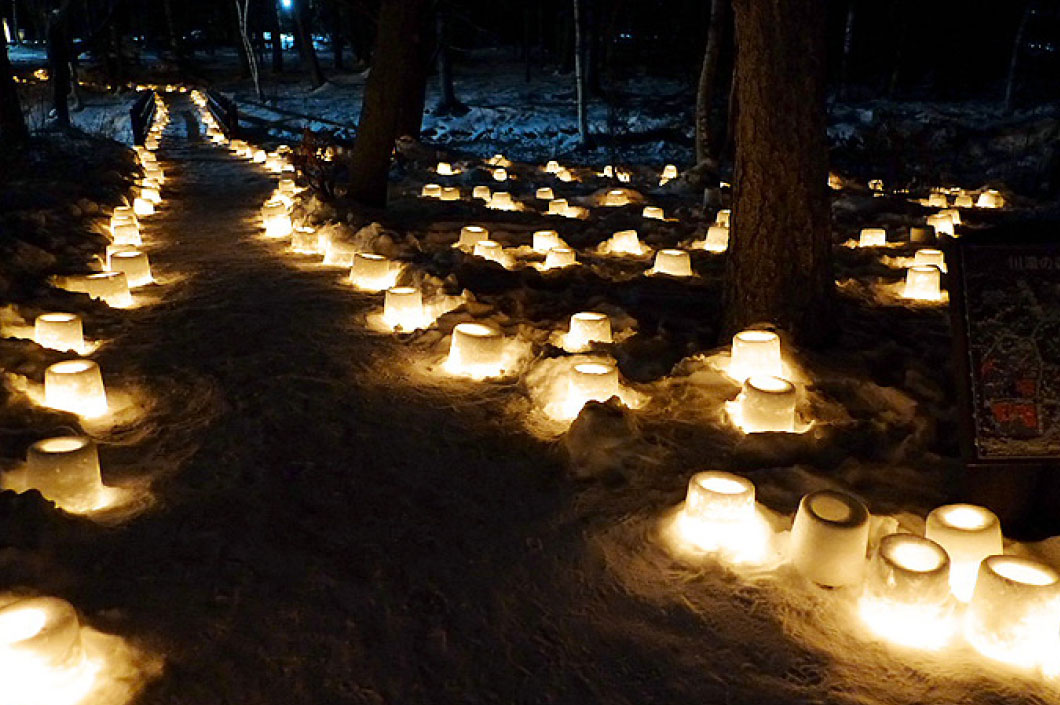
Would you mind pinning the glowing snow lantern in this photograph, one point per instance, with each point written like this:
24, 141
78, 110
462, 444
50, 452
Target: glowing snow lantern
544, 194
450, 193
470, 235
135, 266
502, 201
623, 175
557, 206
923, 282
371, 272
590, 381
122, 212
552, 167
943, 224
491, 250
723, 217
669, 173
154, 172
586, 328
111, 287
872, 237
476, 350
126, 232
717, 239
938, 200
969, 534
720, 516
481, 192
608, 172
653, 212
626, 242
431, 191
498, 160
143, 207
287, 187
545, 240
559, 257
445, 169
42, 660
907, 593
339, 253
755, 352
616, 197
928, 257
1014, 614
403, 308
767, 405
66, 471
500, 174
75, 386
305, 241
676, 263
565, 175
990, 199
260, 155
59, 331
953, 214
276, 219
829, 538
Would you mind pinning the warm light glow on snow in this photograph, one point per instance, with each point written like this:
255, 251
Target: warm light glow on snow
476, 350
719, 516
372, 272
968, 534
403, 309
872, 237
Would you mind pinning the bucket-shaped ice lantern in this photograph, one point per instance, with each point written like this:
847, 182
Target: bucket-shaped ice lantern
287, 187
143, 207
150, 191
928, 257
717, 239
126, 231
923, 282
490, 250
545, 193
305, 241
653, 212
969, 534
724, 217
450, 193
153, 171
545, 240
588, 327
500, 174
552, 166
829, 538
872, 237
370, 272
476, 349
40, 643
444, 169
990, 199
502, 200
481, 193
75, 386
626, 242
720, 515
276, 219
937, 200
755, 352
470, 235
59, 331
559, 257
942, 224
767, 405
403, 308
339, 253
431, 191
121, 214
963, 201
676, 263
110, 287
557, 206
1014, 615
592, 381
65, 470
616, 197
135, 266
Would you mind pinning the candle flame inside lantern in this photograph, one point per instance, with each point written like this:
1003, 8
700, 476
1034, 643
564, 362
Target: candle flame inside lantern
968, 534
676, 263
372, 272
586, 328
403, 309
545, 240
720, 516
476, 350
923, 282
559, 257
872, 237
755, 352
544, 194
59, 331
75, 386
906, 598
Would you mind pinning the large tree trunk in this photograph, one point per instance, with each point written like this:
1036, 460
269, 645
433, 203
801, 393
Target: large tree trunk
398, 75
12, 123
779, 267
272, 16
302, 29
448, 103
1010, 82
708, 142
580, 77
59, 67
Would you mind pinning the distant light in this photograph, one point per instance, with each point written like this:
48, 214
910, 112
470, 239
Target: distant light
286, 4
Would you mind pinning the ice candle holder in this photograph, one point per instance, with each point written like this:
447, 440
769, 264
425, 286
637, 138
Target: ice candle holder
653, 212
559, 257
829, 538
59, 331
475, 350
545, 193
471, 235
872, 237
371, 272
923, 282
545, 240
403, 308
110, 287
717, 239
75, 386
586, 328
767, 405
720, 516
134, 265
969, 534
755, 352
626, 242
65, 470
676, 263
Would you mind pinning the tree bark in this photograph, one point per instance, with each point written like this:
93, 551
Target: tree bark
276, 29
12, 122
1010, 81
708, 144
398, 76
305, 42
448, 104
848, 47
779, 267
579, 75
59, 66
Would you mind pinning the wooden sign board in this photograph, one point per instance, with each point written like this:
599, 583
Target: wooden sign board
1006, 290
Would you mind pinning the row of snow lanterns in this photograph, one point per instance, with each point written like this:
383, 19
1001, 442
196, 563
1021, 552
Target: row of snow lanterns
923, 278
915, 591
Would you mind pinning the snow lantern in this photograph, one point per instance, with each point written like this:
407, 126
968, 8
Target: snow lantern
276, 219
929, 257
476, 350
624, 176
963, 201
557, 206
287, 187
544, 193
953, 214
339, 253
717, 239
923, 282
371, 272
653, 212
59, 331
564, 174
872, 237
545, 240
110, 287
590, 381
150, 191
42, 659
135, 266
65, 470
491, 250
552, 167
260, 155
155, 173
1014, 614
943, 224
481, 192
829, 538
559, 257
767, 404
669, 173
626, 242
450, 193
969, 534
445, 169
938, 200
143, 207
616, 197
305, 241
403, 309
431, 191
990, 199
472, 234
719, 515
126, 232
500, 174
149, 158
755, 352
120, 213
676, 263
586, 328
75, 386
907, 593
498, 160
723, 217
502, 201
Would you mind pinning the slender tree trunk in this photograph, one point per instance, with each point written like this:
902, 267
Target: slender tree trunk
448, 103
59, 66
171, 27
15, 37
12, 122
779, 267
1017, 44
579, 75
708, 142
242, 14
272, 16
337, 36
731, 113
305, 42
398, 72
848, 46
